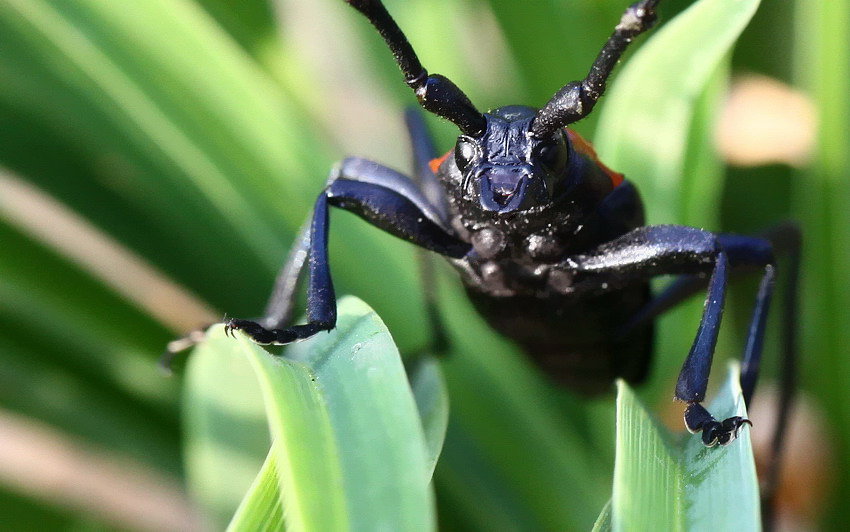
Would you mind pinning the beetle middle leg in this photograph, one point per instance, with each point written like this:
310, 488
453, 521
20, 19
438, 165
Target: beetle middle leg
384, 198
744, 253
423, 152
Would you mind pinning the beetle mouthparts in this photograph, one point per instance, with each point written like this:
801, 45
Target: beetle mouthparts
502, 192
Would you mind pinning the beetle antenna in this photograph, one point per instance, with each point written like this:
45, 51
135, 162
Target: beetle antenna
576, 99
436, 94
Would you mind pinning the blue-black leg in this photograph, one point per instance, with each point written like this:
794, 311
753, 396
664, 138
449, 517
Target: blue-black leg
745, 254
786, 241
278, 310
281, 304
693, 378
655, 250
321, 299
380, 196
423, 151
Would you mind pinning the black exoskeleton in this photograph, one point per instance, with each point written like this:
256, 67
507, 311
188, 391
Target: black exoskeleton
525, 205
550, 243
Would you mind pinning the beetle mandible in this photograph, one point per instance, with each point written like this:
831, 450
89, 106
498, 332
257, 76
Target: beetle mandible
550, 243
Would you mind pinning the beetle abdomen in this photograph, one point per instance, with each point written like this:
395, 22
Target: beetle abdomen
577, 342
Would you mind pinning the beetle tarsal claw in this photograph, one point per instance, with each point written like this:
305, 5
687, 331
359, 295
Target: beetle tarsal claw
697, 419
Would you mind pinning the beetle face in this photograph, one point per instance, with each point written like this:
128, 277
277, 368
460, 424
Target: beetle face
507, 168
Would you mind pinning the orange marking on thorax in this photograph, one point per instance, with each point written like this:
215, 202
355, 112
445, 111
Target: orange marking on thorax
435, 163
586, 148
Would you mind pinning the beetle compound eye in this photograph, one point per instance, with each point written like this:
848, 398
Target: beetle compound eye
464, 153
551, 155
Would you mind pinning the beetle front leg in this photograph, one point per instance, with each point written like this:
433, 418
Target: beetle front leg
389, 209
321, 299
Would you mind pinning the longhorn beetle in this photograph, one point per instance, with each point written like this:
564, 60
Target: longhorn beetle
550, 243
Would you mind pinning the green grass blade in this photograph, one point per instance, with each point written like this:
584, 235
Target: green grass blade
306, 462
251, 23
228, 420
376, 426
647, 471
603, 522
432, 400
225, 427
78, 356
644, 124
662, 482
262, 507
350, 451
822, 205
161, 139
721, 486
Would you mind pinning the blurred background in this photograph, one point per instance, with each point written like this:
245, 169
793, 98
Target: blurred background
157, 157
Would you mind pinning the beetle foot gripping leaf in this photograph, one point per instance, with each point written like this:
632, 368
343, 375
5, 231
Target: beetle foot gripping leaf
714, 432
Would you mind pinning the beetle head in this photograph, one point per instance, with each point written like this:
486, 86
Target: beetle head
507, 168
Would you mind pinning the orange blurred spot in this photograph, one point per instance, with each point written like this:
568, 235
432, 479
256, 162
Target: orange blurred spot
765, 121
435, 163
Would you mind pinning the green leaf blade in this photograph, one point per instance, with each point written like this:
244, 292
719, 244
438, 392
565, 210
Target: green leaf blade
306, 461
379, 436
225, 427
261, 508
350, 450
822, 205
647, 472
721, 486
644, 124
665, 483
432, 400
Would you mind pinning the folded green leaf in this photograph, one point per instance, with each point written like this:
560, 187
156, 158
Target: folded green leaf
603, 522
667, 483
262, 507
226, 435
349, 452
644, 124
376, 429
432, 399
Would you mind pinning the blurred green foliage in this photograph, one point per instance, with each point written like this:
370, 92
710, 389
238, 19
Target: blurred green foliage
196, 133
